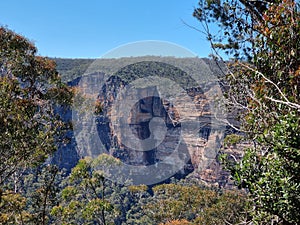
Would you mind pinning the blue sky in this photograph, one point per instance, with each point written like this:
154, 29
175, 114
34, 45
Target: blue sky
90, 28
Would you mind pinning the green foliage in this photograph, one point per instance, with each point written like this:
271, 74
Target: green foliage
30, 129
197, 205
41, 191
72, 68
81, 198
12, 209
178, 222
84, 200
30, 88
139, 197
232, 139
128, 68
265, 91
30, 195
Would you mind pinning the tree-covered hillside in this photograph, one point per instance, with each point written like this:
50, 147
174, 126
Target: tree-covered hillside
74, 68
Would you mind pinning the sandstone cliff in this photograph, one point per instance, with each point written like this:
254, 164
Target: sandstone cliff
198, 149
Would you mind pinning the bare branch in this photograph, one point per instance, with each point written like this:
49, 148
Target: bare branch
286, 101
194, 28
290, 104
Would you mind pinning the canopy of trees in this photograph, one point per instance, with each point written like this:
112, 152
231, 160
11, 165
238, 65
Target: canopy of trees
30, 128
263, 88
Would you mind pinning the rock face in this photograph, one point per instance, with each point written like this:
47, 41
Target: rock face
201, 161
144, 126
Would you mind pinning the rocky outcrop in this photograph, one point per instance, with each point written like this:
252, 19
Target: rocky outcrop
187, 126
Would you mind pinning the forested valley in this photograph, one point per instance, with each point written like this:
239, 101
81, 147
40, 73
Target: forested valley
247, 174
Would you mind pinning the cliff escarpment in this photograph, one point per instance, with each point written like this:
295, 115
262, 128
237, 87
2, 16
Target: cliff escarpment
152, 109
